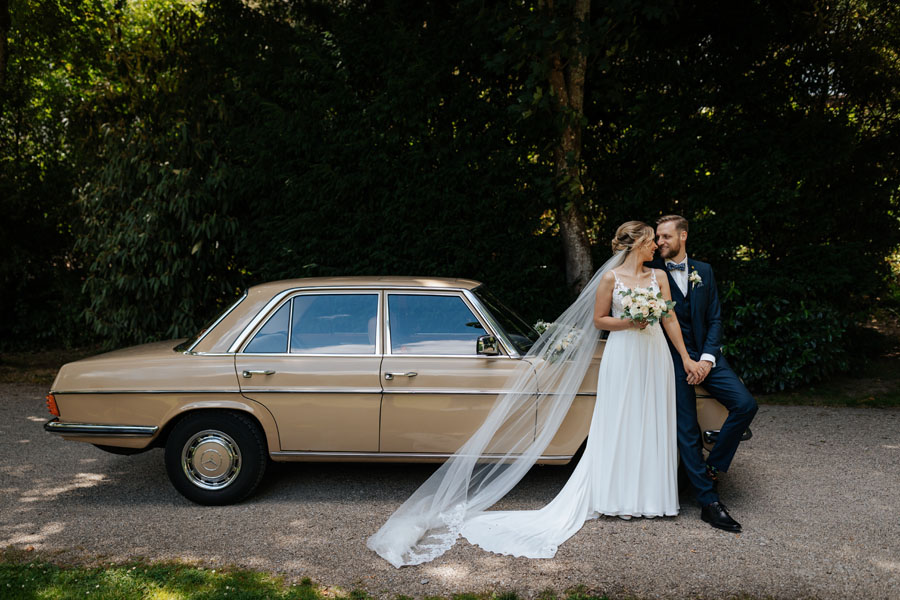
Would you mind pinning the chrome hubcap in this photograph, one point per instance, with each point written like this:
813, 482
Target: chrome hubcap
211, 459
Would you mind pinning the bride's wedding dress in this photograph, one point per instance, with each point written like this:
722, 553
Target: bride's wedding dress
629, 466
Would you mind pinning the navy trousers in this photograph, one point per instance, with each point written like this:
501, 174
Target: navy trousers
725, 386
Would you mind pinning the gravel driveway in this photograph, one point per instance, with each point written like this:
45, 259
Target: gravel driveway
817, 491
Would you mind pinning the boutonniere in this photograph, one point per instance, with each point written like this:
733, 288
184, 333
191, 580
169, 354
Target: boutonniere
695, 278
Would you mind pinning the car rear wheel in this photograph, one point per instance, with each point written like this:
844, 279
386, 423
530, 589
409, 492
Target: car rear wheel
215, 458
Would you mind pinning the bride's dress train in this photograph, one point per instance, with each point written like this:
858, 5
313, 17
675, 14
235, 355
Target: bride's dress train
629, 466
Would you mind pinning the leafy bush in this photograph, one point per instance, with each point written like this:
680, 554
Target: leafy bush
775, 344
158, 225
416, 138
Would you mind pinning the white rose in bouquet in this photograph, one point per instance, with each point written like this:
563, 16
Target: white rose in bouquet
643, 306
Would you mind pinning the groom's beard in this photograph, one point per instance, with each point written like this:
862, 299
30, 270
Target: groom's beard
670, 251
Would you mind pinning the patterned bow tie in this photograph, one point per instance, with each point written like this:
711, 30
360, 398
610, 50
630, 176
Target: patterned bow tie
675, 266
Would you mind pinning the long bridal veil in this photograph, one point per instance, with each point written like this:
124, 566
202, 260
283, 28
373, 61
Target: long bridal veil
517, 430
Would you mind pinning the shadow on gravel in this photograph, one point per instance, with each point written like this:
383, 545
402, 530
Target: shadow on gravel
111, 480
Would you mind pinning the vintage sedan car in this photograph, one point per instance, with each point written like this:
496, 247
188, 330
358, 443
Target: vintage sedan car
318, 369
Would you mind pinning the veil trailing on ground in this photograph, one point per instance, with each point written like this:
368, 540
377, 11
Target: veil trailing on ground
517, 430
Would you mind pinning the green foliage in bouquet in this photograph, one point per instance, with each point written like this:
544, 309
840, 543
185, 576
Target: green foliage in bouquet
643, 306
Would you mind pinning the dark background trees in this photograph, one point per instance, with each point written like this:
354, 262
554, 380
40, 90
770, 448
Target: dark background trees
157, 157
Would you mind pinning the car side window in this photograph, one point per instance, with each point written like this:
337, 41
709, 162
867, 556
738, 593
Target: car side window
334, 324
432, 324
273, 336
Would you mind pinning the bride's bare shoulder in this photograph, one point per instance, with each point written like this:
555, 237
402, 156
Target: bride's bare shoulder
607, 281
661, 277
608, 277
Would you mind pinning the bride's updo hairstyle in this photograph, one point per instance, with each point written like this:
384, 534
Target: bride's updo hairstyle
630, 235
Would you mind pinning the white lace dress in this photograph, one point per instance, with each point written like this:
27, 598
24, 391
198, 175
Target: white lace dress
629, 466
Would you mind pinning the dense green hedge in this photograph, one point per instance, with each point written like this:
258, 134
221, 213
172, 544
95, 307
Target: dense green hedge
158, 157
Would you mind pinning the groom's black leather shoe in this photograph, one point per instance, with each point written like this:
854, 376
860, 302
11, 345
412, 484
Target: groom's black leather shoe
717, 515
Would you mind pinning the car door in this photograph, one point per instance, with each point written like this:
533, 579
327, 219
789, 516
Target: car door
575, 426
314, 363
437, 389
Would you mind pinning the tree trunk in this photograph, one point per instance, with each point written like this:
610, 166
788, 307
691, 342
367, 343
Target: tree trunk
566, 78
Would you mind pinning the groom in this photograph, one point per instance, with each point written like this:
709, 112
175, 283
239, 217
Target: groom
697, 307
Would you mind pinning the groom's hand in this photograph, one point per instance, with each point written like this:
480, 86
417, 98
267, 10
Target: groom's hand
692, 369
699, 374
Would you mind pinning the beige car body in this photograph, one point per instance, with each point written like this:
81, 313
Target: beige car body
312, 407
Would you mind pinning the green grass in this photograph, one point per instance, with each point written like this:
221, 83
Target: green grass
157, 581
23, 579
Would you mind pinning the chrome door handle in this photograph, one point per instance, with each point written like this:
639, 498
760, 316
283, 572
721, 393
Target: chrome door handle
248, 374
390, 376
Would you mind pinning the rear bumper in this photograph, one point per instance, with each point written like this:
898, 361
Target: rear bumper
89, 429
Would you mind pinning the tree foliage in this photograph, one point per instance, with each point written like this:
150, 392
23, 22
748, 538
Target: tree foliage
51, 50
780, 149
159, 156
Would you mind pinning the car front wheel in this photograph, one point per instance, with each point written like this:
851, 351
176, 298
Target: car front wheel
215, 458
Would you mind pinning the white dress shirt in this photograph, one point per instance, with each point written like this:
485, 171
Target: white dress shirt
681, 280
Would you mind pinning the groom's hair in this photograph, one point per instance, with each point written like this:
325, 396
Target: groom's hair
680, 222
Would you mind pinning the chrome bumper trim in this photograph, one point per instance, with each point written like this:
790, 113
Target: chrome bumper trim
351, 455
54, 426
95, 392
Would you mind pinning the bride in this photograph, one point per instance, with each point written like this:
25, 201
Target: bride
629, 466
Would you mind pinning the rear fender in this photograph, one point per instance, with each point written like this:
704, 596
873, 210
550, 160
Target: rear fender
245, 405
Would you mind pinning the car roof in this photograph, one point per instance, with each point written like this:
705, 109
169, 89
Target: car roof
366, 281
223, 332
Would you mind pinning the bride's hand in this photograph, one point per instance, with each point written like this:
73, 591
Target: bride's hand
639, 324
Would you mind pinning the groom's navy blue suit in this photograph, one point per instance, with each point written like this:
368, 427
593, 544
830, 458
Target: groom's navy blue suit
700, 317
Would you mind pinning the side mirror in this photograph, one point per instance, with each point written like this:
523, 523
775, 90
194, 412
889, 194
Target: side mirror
487, 345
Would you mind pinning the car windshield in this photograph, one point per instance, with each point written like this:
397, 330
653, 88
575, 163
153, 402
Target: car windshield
520, 333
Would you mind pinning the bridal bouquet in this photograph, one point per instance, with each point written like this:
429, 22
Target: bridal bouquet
643, 306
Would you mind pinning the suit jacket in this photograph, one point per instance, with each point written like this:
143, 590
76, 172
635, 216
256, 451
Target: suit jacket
706, 312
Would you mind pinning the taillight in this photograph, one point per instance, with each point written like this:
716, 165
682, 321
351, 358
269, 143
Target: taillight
51, 405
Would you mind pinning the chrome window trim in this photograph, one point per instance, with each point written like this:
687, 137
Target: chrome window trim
282, 355
276, 299
92, 429
458, 293
290, 323
262, 315
278, 453
216, 323
276, 303
500, 332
